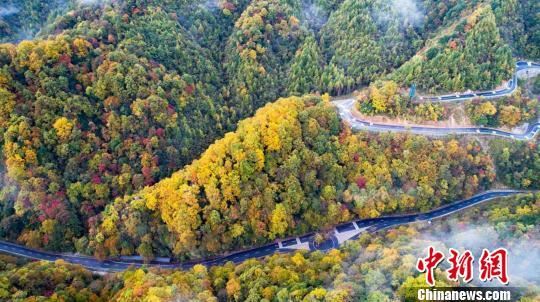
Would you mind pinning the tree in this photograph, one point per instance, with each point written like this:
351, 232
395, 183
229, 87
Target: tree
233, 288
382, 97
63, 128
510, 115
305, 73
279, 221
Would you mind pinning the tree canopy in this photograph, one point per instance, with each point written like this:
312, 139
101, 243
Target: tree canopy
290, 169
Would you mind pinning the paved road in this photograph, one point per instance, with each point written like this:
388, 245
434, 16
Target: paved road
345, 111
351, 230
345, 107
462, 96
342, 232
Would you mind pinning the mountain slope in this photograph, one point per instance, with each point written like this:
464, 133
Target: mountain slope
289, 169
90, 115
113, 96
363, 39
22, 19
472, 56
262, 43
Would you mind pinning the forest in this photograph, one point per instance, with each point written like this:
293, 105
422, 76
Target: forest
92, 111
510, 111
189, 128
301, 172
376, 267
518, 164
23, 19
386, 98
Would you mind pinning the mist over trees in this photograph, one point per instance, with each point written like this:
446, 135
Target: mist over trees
23, 19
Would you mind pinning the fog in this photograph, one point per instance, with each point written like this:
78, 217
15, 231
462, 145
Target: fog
407, 12
89, 2
210, 5
8, 10
313, 16
523, 254
19, 33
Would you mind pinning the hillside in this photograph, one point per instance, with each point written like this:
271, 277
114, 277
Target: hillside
364, 39
114, 96
262, 44
23, 19
376, 267
266, 150
88, 119
290, 169
473, 56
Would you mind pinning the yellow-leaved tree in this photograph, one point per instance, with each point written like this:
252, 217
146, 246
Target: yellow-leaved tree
63, 127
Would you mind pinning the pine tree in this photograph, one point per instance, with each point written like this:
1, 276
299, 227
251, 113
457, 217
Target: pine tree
305, 73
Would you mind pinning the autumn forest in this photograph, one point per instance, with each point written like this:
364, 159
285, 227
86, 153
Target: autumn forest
189, 129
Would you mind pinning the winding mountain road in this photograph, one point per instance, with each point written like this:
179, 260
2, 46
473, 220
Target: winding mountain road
345, 111
509, 89
342, 232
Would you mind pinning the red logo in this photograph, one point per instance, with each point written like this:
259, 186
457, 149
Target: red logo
491, 265
429, 263
460, 266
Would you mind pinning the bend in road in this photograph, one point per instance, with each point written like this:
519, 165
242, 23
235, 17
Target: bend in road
342, 232
509, 89
345, 111
351, 229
